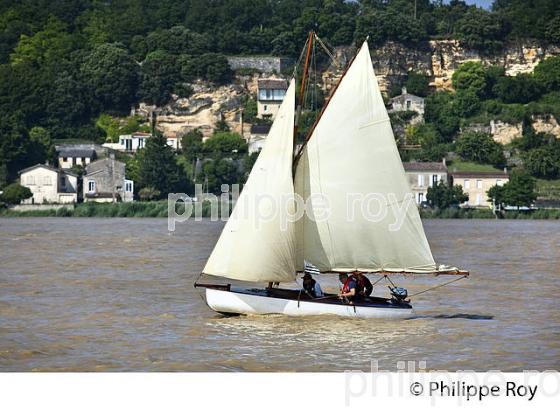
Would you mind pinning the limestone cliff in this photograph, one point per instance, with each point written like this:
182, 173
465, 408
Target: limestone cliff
438, 59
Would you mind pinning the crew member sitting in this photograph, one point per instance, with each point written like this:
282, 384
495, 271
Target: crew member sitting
349, 287
311, 286
363, 283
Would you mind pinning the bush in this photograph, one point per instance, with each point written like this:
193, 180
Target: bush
148, 193
481, 148
15, 193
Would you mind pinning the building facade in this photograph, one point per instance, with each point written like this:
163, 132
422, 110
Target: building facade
257, 137
477, 184
270, 94
73, 155
422, 175
409, 102
49, 185
105, 181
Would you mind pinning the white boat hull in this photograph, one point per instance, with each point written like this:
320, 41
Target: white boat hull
240, 302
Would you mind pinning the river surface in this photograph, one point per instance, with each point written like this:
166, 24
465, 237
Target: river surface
117, 295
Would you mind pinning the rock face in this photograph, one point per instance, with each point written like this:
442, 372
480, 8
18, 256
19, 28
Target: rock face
546, 124
505, 133
203, 109
439, 59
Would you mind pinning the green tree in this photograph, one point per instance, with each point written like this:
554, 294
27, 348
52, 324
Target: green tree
49, 44
496, 195
521, 89
544, 162
417, 84
111, 74
14, 193
192, 145
210, 67
552, 33
481, 148
220, 171
470, 76
441, 111
158, 168
547, 73
160, 74
520, 189
41, 147
225, 145
467, 103
442, 196
481, 30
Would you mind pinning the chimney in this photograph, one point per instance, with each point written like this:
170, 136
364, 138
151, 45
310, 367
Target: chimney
403, 91
505, 170
444, 162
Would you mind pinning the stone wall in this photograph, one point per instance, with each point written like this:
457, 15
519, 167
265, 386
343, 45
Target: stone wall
260, 63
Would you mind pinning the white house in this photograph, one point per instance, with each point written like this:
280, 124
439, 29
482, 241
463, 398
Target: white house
270, 94
72, 155
49, 185
133, 142
422, 175
257, 137
409, 102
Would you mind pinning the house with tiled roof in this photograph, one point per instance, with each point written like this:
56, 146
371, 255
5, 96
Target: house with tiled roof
422, 175
477, 184
270, 94
49, 185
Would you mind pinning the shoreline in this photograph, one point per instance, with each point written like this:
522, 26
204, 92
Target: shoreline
158, 209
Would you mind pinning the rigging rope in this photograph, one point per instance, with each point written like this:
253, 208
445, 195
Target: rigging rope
438, 286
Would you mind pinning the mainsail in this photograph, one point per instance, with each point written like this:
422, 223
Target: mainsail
350, 168
258, 241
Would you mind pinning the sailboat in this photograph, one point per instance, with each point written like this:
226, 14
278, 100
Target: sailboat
349, 153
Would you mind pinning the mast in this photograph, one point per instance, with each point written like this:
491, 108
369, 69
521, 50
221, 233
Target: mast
325, 105
303, 84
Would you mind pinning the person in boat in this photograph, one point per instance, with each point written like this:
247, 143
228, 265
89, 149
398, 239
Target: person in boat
349, 289
311, 286
363, 283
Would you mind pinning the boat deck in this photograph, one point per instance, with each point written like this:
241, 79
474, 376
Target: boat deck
328, 298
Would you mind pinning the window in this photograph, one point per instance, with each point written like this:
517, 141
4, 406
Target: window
83, 160
420, 197
408, 104
63, 182
128, 187
467, 184
30, 180
140, 142
499, 182
420, 180
64, 159
479, 183
434, 179
478, 199
91, 186
265, 108
47, 180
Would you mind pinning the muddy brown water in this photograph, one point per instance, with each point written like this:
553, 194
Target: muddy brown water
117, 295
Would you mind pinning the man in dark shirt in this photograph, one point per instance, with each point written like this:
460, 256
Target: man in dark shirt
364, 285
